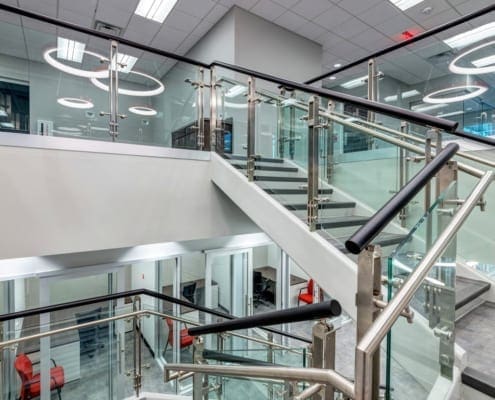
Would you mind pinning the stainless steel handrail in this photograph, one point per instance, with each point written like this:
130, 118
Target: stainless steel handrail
313, 375
382, 325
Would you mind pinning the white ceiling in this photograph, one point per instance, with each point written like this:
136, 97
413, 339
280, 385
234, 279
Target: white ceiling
346, 29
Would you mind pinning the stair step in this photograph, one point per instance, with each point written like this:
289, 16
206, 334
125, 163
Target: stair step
280, 179
479, 381
383, 239
261, 159
340, 222
267, 168
276, 191
322, 206
467, 290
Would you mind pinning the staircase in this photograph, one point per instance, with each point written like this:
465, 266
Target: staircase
287, 184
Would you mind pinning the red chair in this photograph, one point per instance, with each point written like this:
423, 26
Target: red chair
185, 339
308, 296
30, 384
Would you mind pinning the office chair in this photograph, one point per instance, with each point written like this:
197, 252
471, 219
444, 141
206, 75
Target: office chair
30, 384
188, 291
259, 287
185, 339
308, 296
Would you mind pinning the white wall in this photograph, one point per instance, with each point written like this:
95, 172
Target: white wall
264, 46
57, 201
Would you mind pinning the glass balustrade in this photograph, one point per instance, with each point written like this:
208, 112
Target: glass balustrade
420, 354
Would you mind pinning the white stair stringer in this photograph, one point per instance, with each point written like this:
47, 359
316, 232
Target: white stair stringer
334, 271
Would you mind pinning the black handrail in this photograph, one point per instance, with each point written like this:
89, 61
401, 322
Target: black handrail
326, 309
414, 39
397, 112
131, 293
230, 358
364, 235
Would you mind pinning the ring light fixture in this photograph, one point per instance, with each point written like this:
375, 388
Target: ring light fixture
143, 110
453, 67
73, 102
102, 73
128, 92
430, 98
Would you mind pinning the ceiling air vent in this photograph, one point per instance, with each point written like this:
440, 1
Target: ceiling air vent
108, 28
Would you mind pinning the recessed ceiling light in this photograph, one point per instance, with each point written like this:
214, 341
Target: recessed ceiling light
409, 93
7, 124
427, 107
73, 102
405, 4
474, 35
125, 62
333, 77
235, 91
389, 99
354, 83
478, 91
156, 10
70, 50
338, 65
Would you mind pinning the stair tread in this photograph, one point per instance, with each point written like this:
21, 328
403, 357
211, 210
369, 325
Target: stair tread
467, 290
267, 168
340, 222
479, 381
322, 206
280, 178
383, 239
262, 159
276, 191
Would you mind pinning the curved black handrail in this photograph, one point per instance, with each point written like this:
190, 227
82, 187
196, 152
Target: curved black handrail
326, 309
414, 39
364, 235
131, 293
397, 112
230, 358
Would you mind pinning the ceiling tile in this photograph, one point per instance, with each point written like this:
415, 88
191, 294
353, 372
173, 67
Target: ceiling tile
216, 13
83, 7
168, 38
372, 40
180, 20
268, 9
439, 19
141, 29
311, 31
356, 7
332, 17
45, 7
291, 21
78, 18
246, 4
377, 15
195, 7
395, 26
350, 28
286, 3
202, 28
112, 15
311, 8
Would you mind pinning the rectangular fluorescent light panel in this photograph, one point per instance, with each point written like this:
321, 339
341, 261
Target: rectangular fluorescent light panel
405, 4
484, 62
389, 99
125, 61
70, 50
409, 93
474, 35
235, 91
355, 82
450, 114
427, 107
156, 10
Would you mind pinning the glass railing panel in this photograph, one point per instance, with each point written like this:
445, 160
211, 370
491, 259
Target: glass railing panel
429, 340
235, 388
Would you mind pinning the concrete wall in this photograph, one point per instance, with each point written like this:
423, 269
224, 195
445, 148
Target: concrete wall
57, 201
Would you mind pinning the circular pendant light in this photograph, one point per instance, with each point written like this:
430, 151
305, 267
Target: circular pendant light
143, 110
478, 91
73, 102
101, 73
136, 93
453, 67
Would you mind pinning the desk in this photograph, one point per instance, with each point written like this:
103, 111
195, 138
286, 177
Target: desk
270, 274
199, 295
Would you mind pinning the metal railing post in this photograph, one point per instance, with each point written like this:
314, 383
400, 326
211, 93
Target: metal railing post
251, 128
324, 354
199, 379
137, 370
200, 109
403, 173
368, 291
215, 143
330, 142
313, 165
